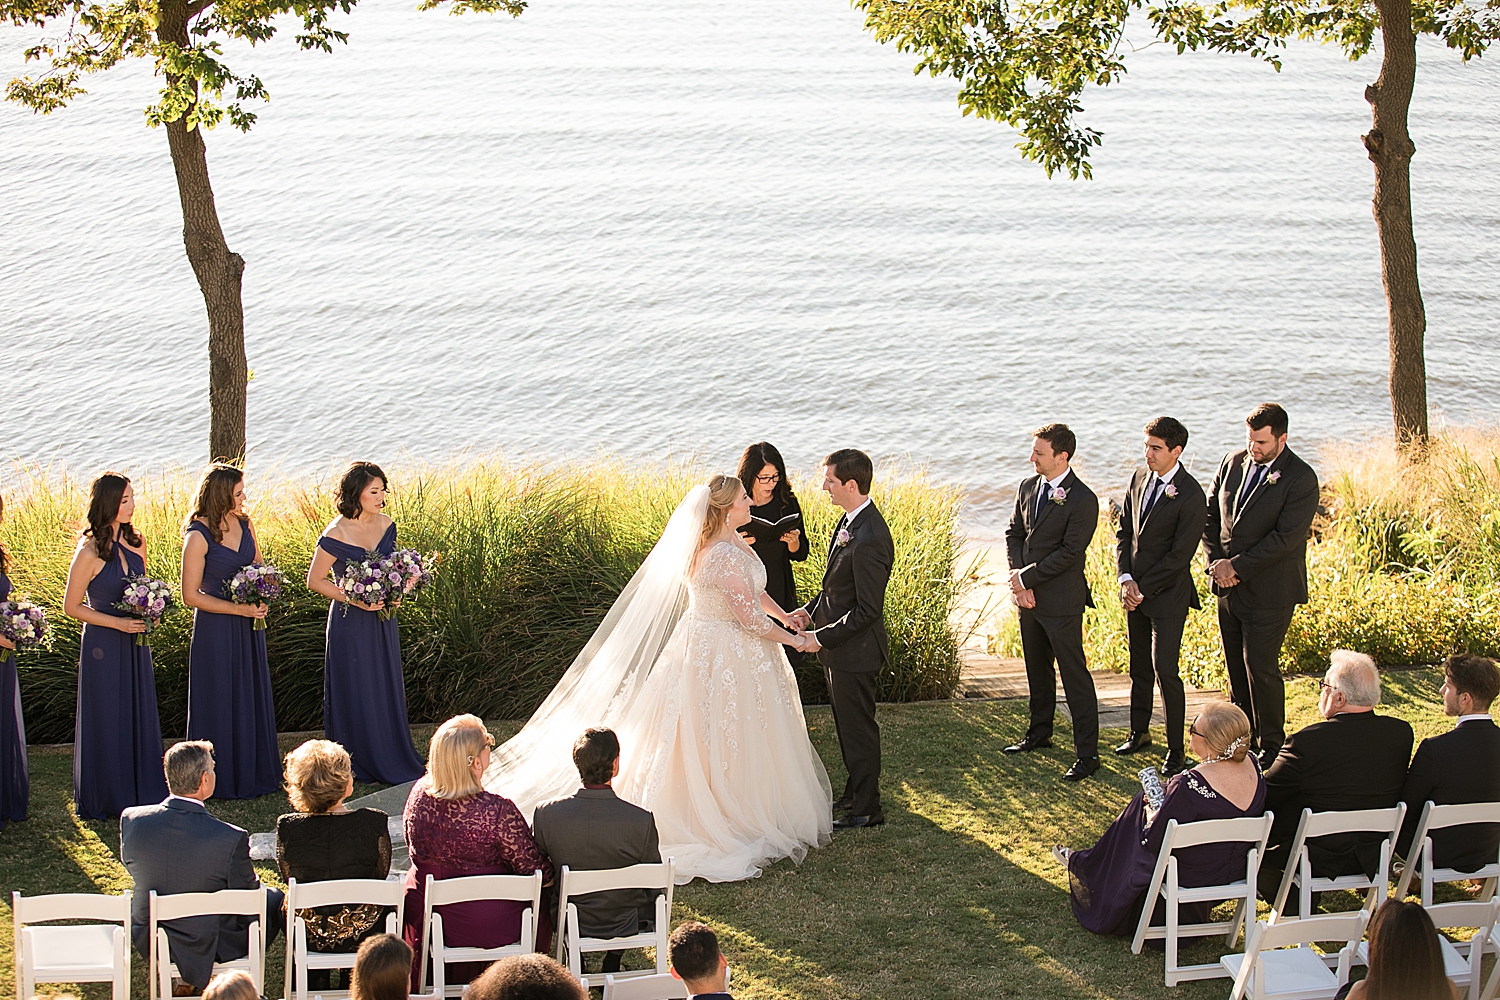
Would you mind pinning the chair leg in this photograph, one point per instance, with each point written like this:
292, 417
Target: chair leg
1172, 920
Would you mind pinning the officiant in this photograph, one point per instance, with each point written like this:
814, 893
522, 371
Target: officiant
771, 500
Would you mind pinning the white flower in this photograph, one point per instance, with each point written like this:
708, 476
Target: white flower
1273, 477
1059, 496
1170, 491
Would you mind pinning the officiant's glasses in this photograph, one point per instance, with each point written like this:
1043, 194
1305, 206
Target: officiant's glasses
767, 480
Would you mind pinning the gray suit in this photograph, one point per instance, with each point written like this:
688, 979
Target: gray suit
593, 830
176, 846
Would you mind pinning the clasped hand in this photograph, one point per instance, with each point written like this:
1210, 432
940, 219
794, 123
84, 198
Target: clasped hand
1222, 571
1130, 595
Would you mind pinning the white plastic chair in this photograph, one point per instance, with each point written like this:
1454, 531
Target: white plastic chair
349, 891
653, 987
225, 902
471, 888
571, 941
1251, 830
1419, 855
1299, 863
1278, 962
94, 953
1462, 960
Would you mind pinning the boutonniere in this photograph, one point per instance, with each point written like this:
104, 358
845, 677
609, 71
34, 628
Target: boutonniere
1273, 477
1059, 496
1169, 491
842, 538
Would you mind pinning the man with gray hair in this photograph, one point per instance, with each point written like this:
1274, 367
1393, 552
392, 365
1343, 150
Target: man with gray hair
1355, 759
176, 846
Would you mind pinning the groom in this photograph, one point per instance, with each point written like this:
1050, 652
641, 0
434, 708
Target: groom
849, 633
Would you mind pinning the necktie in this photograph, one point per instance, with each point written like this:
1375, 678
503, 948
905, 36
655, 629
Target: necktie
1151, 494
1251, 482
1042, 495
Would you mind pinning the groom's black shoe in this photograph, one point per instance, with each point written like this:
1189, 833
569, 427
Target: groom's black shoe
1137, 741
843, 805
1029, 744
1082, 768
858, 822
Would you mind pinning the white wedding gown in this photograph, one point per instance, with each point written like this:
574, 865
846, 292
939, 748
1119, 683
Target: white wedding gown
712, 735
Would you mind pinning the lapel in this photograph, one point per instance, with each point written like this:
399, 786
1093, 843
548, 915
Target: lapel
1138, 497
1066, 484
1161, 498
1260, 487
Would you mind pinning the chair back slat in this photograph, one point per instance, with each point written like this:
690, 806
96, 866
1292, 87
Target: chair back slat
470, 888
343, 891
1305, 930
70, 906
1321, 824
1463, 814
1243, 829
657, 876
231, 902
660, 987
1468, 913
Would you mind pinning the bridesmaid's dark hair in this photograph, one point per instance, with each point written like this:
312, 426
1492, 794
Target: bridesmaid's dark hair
356, 478
216, 497
104, 504
1406, 961
757, 457
4, 552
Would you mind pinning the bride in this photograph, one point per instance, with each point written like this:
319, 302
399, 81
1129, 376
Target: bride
688, 670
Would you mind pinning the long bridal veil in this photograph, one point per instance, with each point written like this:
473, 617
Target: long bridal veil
605, 679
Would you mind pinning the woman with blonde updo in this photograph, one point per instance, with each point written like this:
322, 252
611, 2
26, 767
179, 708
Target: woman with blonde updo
1108, 881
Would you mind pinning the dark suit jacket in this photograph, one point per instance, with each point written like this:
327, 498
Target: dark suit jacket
176, 846
849, 612
1158, 553
1460, 766
592, 830
1356, 760
1049, 547
1267, 541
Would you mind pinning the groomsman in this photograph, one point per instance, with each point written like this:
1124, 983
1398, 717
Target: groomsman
1161, 525
1049, 534
1262, 507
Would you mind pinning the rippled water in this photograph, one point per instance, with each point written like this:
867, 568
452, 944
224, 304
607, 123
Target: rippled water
679, 227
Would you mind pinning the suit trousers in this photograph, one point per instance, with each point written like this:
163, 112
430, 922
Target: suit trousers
1047, 639
1155, 644
852, 695
1252, 653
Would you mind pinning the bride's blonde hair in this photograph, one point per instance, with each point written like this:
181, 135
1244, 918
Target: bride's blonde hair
723, 491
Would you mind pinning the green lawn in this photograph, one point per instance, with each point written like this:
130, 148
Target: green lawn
957, 896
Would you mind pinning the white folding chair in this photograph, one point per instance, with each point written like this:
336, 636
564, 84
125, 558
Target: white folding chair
1278, 962
1251, 830
1419, 854
349, 891
1462, 959
569, 940
92, 953
471, 888
1299, 862
653, 987
225, 902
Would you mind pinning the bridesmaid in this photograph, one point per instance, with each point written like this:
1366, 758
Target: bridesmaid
364, 696
15, 781
117, 748
229, 680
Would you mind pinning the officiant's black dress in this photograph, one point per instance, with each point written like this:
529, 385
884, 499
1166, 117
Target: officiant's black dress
778, 560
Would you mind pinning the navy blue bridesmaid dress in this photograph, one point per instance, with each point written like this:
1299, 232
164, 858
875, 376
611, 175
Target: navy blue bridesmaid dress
229, 682
117, 749
15, 781
364, 695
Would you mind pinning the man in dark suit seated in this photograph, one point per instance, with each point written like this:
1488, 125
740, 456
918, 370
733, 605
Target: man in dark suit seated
1460, 766
176, 846
1354, 760
698, 962
593, 830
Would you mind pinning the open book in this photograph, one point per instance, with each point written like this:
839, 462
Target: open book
763, 530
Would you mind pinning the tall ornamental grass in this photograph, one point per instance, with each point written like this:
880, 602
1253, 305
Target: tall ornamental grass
1404, 565
532, 558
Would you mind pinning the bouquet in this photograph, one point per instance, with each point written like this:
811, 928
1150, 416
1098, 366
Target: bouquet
256, 584
387, 579
23, 623
414, 569
148, 599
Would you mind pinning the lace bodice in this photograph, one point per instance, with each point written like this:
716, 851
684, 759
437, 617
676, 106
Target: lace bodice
727, 587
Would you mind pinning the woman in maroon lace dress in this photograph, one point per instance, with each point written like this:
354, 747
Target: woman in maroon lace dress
455, 828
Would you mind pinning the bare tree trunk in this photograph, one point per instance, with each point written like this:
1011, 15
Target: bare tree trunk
217, 268
1390, 148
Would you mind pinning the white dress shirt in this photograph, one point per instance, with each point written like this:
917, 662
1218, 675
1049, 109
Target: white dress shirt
851, 515
1465, 718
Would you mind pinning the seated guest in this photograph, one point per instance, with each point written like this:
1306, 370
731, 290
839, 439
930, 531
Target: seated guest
592, 830
1356, 759
176, 846
382, 969
1462, 765
697, 961
526, 977
236, 985
324, 840
1108, 881
1406, 961
455, 828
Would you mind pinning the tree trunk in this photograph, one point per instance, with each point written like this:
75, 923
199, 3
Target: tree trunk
217, 268
1390, 148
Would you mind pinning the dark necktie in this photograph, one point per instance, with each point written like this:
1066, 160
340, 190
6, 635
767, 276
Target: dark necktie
1042, 495
1152, 493
1251, 482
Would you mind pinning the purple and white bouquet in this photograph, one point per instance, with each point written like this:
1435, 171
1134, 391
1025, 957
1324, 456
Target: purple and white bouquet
256, 584
23, 623
148, 599
414, 569
386, 580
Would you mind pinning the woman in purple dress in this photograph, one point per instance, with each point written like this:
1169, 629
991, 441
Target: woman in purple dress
1108, 881
364, 695
15, 780
117, 749
229, 680
455, 828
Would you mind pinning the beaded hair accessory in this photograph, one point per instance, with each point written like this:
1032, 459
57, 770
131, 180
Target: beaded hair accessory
1230, 750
